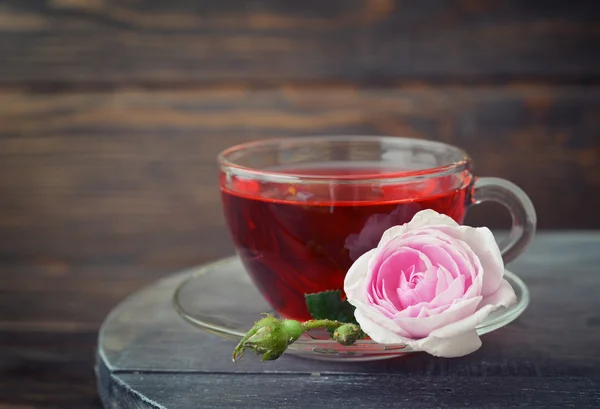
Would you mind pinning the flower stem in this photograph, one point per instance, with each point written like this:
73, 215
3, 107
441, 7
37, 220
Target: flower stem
271, 336
327, 324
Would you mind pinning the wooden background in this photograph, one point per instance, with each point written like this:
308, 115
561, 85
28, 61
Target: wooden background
112, 112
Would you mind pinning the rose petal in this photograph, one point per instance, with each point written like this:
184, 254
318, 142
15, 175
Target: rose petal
391, 234
444, 279
423, 218
429, 311
467, 262
354, 280
466, 324
408, 274
389, 281
459, 345
430, 218
422, 327
455, 291
403, 260
482, 242
504, 296
390, 297
425, 289
439, 253
412, 310
378, 330
448, 347
386, 254
388, 276
382, 307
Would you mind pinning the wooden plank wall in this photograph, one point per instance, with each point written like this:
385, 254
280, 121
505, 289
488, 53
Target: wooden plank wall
112, 111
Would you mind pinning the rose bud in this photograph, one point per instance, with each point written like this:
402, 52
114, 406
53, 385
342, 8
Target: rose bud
348, 334
269, 337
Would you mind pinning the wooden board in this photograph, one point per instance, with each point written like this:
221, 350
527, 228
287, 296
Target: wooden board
550, 356
131, 176
49, 320
374, 41
50, 314
315, 391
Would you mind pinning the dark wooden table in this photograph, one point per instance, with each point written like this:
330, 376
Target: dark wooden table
550, 357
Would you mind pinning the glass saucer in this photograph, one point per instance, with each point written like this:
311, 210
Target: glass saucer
220, 298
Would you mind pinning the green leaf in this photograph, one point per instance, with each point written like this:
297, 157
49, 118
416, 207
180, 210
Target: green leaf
328, 305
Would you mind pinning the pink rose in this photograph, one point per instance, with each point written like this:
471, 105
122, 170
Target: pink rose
428, 284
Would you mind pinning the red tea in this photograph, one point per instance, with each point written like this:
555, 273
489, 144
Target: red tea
296, 239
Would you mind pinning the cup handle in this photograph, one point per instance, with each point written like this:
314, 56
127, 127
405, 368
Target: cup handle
519, 205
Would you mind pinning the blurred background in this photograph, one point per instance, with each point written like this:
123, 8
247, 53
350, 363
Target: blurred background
112, 113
